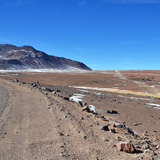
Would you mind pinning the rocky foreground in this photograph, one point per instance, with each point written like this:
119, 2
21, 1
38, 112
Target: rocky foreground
56, 122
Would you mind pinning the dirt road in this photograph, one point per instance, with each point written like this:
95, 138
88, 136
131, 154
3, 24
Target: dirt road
25, 123
4, 95
36, 126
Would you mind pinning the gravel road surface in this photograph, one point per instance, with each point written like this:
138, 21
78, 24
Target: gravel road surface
4, 94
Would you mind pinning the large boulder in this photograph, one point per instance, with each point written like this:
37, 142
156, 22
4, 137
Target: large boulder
126, 147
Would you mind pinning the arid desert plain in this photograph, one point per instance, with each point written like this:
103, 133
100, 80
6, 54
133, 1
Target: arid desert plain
91, 115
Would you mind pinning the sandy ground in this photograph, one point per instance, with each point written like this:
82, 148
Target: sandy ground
4, 95
34, 128
36, 124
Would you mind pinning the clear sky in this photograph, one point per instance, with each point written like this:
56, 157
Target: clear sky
104, 34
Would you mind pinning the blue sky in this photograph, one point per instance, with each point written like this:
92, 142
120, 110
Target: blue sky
104, 34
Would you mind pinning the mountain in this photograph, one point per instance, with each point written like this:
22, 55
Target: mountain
26, 57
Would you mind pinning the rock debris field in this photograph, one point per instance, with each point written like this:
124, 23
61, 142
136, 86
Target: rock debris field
47, 117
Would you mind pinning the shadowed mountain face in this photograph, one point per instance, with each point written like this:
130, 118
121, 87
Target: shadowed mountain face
26, 57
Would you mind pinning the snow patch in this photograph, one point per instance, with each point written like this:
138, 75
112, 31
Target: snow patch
93, 108
135, 98
83, 90
36, 61
156, 106
86, 91
98, 94
118, 91
151, 104
76, 97
47, 70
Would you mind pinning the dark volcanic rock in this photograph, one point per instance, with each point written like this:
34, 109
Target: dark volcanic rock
105, 128
79, 103
26, 57
111, 112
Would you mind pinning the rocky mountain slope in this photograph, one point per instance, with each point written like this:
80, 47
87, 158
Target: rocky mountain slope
26, 57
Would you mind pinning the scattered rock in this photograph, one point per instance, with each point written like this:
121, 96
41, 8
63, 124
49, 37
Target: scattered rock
47, 89
90, 109
111, 112
61, 134
105, 128
116, 124
58, 90
100, 116
104, 139
15, 80
23, 82
157, 146
135, 124
129, 131
113, 130
146, 151
33, 85
145, 133
146, 146
37, 83
150, 152
54, 92
119, 138
46, 93
104, 119
66, 98
126, 147
79, 103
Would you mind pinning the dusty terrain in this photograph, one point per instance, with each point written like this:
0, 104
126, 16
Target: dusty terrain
37, 123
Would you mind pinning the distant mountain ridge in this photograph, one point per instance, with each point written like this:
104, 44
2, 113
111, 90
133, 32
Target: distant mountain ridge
26, 57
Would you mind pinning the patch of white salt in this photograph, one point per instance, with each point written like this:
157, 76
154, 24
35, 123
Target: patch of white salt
76, 97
